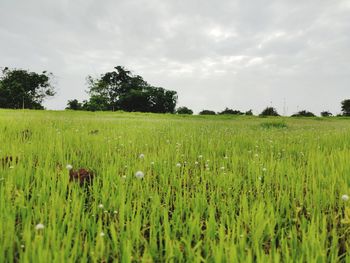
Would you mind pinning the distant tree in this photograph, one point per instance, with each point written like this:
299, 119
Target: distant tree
23, 89
303, 113
231, 111
326, 114
345, 107
207, 112
269, 111
121, 90
249, 113
95, 103
184, 110
74, 105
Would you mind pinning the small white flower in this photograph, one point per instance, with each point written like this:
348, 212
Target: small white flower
226, 157
115, 212
196, 163
39, 226
22, 246
139, 175
102, 234
69, 167
345, 198
264, 169
178, 165
222, 168
200, 156
141, 156
100, 206
259, 178
124, 176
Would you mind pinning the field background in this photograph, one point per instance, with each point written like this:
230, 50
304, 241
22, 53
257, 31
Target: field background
216, 188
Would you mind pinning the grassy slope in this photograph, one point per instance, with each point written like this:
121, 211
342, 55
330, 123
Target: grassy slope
264, 189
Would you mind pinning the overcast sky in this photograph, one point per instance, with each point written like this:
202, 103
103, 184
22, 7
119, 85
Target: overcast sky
239, 54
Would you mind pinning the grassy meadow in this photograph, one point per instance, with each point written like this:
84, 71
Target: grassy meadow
215, 188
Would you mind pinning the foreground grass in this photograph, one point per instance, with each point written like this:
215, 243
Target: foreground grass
216, 189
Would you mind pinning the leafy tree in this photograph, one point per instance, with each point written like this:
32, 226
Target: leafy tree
121, 90
161, 100
95, 103
249, 113
230, 111
207, 112
345, 107
326, 114
303, 113
74, 105
269, 111
23, 89
184, 110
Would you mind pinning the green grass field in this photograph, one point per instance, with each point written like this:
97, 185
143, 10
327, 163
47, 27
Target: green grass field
215, 189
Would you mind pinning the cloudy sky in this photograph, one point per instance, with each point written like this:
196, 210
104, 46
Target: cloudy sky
241, 54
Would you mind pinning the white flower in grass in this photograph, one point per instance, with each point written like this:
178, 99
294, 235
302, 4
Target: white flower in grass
141, 156
102, 234
196, 163
22, 246
69, 167
39, 226
226, 157
200, 156
100, 206
178, 165
264, 169
139, 174
345, 198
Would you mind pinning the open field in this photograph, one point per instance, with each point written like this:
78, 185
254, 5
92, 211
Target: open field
216, 189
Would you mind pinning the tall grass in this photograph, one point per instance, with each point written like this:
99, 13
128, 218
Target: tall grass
215, 189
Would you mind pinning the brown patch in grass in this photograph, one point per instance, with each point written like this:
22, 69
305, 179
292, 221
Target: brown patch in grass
82, 175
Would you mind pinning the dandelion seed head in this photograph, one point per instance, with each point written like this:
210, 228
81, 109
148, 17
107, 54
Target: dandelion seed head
100, 206
345, 198
39, 226
69, 167
102, 234
141, 156
139, 174
178, 165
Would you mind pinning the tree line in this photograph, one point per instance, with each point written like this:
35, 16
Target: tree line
118, 89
